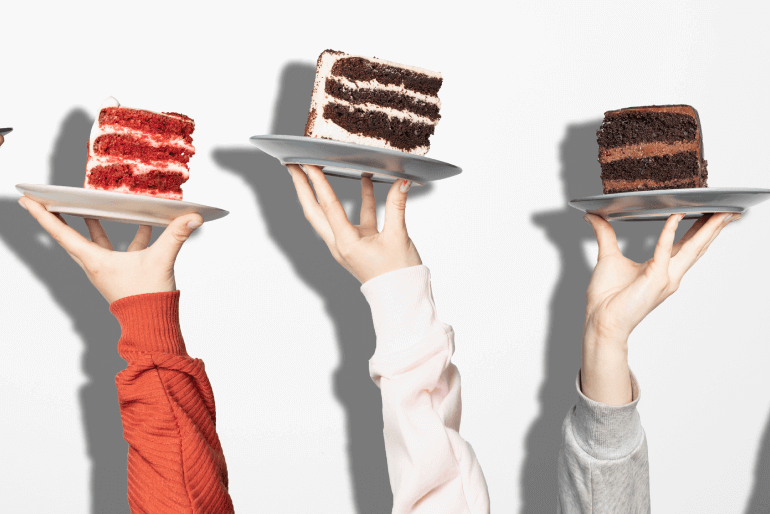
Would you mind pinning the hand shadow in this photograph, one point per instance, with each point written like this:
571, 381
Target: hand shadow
759, 501
88, 310
345, 304
568, 232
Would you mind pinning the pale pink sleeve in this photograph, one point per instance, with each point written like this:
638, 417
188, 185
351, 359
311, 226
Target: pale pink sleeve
432, 469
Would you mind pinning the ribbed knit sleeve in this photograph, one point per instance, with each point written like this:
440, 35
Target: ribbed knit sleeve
175, 461
603, 467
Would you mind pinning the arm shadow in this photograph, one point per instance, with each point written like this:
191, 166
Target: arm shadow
88, 310
310, 258
569, 233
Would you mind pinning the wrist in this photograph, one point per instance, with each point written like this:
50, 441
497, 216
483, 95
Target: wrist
605, 376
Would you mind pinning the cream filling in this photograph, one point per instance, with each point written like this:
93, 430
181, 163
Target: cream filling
653, 149
404, 115
376, 86
326, 128
139, 167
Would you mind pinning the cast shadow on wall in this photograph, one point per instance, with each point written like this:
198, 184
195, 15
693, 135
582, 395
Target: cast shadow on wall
759, 501
569, 233
88, 310
346, 306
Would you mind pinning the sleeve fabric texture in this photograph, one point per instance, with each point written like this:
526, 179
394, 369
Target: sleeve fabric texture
432, 469
603, 466
175, 461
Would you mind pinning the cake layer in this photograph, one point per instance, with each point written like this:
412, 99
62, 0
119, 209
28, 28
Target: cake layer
646, 150
629, 186
167, 125
636, 127
364, 70
121, 177
128, 147
675, 171
383, 98
399, 133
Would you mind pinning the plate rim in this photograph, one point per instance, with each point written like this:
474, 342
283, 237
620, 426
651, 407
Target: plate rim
112, 194
664, 192
332, 142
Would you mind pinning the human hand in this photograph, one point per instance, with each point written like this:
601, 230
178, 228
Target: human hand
622, 292
139, 270
2, 140
360, 249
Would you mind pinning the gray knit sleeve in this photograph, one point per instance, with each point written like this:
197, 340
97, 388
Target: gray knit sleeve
603, 467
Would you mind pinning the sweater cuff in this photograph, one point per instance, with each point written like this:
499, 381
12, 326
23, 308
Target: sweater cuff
607, 432
402, 306
150, 323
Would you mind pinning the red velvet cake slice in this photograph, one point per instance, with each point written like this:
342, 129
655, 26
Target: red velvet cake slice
139, 152
651, 148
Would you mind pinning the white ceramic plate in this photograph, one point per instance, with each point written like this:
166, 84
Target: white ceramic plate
354, 161
122, 207
659, 205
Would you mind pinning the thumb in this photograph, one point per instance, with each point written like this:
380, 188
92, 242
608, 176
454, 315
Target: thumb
605, 235
171, 240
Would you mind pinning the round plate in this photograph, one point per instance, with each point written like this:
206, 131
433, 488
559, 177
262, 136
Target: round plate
355, 161
659, 205
122, 207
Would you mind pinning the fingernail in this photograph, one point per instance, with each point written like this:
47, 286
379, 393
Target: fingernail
736, 217
681, 217
729, 218
585, 217
405, 186
192, 225
22, 204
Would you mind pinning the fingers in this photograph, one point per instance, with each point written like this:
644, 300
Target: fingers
368, 205
2, 140
97, 233
605, 235
696, 246
665, 244
75, 244
395, 208
690, 232
332, 208
171, 240
313, 212
142, 239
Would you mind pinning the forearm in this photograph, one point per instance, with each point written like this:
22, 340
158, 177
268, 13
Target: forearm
175, 461
604, 367
432, 469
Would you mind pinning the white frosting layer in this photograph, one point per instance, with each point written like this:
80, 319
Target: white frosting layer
326, 128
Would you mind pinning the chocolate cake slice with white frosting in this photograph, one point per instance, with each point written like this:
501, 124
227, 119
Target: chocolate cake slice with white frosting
374, 102
651, 148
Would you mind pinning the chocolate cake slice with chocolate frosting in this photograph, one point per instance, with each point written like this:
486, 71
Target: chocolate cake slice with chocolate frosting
374, 102
651, 148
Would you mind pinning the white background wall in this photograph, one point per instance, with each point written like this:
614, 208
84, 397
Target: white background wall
283, 330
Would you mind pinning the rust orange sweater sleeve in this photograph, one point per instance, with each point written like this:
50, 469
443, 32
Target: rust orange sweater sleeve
175, 461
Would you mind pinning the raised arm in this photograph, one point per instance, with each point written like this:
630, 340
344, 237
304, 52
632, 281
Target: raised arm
603, 466
175, 461
432, 469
